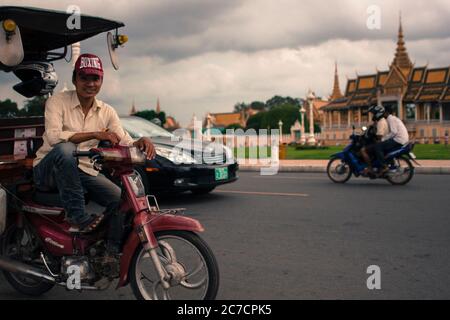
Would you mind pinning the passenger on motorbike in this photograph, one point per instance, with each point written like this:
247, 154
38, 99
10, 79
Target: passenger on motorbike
395, 139
381, 132
76, 120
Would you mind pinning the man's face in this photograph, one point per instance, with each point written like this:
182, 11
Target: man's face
88, 86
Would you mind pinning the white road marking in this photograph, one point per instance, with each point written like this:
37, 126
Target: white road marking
293, 178
264, 193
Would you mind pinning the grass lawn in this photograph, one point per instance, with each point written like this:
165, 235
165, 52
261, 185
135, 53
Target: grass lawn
422, 151
252, 152
432, 152
293, 154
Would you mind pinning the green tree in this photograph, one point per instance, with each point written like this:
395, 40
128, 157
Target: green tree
287, 113
151, 114
275, 109
8, 109
257, 121
238, 107
258, 105
34, 107
278, 101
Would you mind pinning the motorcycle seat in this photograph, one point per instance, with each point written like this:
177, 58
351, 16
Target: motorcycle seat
47, 198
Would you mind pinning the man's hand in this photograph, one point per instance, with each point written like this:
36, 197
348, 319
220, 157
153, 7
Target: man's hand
146, 145
109, 136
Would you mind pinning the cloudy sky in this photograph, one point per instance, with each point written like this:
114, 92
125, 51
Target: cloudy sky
202, 56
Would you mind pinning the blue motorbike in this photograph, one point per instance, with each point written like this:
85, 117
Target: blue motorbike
343, 164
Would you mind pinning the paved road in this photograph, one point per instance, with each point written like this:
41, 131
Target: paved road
298, 236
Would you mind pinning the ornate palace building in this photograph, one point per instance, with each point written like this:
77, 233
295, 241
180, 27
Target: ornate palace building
420, 96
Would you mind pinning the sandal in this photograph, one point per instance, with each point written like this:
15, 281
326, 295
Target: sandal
383, 171
89, 226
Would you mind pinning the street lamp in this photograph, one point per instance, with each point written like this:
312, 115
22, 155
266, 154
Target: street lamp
76, 49
208, 126
280, 125
302, 128
310, 97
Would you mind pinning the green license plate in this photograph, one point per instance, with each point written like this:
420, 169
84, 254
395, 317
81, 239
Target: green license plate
221, 174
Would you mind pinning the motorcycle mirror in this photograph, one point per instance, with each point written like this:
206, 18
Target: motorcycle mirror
11, 47
114, 41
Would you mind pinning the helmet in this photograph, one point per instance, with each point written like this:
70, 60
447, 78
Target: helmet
38, 78
378, 112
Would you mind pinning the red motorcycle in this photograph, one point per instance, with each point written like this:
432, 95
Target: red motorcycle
162, 256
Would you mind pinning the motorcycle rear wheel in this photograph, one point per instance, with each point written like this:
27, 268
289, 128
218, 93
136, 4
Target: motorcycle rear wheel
404, 172
338, 171
189, 274
24, 284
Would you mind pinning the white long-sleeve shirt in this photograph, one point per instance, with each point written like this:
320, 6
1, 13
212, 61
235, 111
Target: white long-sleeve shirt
397, 130
64, 118
382, 128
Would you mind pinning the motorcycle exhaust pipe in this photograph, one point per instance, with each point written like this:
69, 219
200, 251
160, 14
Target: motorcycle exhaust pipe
19, 267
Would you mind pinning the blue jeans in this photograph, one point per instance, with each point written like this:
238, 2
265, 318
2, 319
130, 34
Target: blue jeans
59, 170
385, 147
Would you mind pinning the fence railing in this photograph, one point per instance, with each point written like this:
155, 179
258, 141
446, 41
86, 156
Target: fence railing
255, 140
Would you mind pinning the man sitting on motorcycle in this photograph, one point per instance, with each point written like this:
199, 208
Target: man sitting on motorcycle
382, 130
76, 120
395, 139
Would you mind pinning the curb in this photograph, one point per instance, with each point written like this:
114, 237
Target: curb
320, 169
433, 170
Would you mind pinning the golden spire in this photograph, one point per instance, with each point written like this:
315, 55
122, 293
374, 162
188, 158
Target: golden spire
401, 59
133, 109
158, 107
336, 89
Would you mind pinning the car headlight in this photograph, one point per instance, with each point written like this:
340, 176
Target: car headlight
229, 155
177, 156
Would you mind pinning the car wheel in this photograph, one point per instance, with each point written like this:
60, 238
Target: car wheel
200, 191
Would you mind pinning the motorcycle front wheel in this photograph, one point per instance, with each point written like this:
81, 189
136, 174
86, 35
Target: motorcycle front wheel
338, 171
189, 262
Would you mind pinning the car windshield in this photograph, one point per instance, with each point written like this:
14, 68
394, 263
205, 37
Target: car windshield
138, 128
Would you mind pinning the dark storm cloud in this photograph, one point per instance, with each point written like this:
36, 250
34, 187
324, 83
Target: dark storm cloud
174, 30
202, 56
184, 29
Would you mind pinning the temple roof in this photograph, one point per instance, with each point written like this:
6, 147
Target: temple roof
446, 95
423, 85
420, 84
226, 119
171, 123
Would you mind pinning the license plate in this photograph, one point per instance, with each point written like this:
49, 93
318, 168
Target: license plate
221, 174
412, 155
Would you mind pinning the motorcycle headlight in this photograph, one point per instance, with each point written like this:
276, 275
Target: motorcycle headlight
176, 155
137, 185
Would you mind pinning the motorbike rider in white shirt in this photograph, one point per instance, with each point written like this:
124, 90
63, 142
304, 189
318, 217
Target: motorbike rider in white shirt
396, 138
